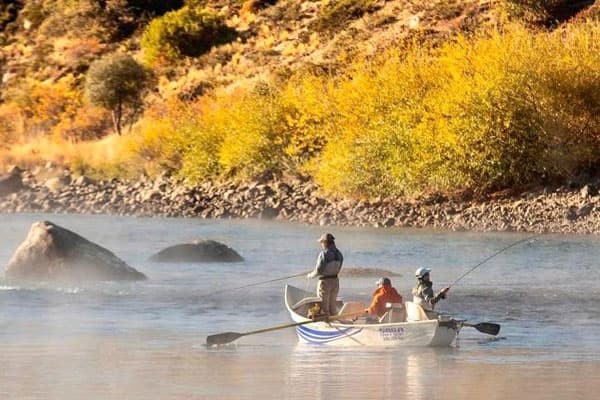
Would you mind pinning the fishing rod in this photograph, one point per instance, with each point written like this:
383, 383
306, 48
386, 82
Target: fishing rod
502, 250
253, 284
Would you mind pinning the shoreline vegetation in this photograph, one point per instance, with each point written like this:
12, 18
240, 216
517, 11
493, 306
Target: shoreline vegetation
363, 99
574, 209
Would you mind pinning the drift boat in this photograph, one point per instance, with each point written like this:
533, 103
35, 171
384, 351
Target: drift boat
404, 324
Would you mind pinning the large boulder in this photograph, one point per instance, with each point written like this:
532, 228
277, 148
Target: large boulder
54, 253
198, 251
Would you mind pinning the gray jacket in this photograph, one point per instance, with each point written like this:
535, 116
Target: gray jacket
329, 263
424, 296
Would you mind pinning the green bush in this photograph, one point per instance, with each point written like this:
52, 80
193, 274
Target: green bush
190, 31
116, 82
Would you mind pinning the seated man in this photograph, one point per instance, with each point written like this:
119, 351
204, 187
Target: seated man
385, 293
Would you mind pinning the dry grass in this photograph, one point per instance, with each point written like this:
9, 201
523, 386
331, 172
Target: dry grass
93, 156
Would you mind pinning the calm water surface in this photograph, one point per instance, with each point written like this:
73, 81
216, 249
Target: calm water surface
144, 340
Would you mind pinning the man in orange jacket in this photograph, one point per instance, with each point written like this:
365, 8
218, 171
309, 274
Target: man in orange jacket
385, 293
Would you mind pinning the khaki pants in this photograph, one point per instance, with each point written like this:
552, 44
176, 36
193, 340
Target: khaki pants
327, 290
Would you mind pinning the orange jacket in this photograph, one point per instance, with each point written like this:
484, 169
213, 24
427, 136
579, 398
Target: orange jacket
383, 294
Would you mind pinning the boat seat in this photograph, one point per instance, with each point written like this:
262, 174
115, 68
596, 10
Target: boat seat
396, 312
352, 307
415, 312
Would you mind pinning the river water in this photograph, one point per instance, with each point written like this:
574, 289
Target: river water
145, 340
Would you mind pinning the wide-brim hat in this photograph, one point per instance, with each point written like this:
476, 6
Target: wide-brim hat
326, 237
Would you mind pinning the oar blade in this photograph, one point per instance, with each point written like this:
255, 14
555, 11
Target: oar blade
222, 338
487, 327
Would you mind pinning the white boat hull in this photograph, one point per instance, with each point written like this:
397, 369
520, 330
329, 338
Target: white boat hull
415, 333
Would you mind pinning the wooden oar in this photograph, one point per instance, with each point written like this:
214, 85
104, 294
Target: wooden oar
485, 327
228, 337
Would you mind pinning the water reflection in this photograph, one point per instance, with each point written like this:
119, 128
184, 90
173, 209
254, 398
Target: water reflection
325, 373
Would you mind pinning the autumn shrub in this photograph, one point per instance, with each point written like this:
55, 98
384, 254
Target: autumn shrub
10, 124
480, 113
308, 108
42, 105
86, 123
34, 12
254, 135
179, 137
505, 110
189, 31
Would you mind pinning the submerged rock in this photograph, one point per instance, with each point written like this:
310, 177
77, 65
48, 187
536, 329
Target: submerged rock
51, 252
198, 251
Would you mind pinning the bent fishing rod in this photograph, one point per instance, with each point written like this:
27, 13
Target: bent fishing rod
502, 250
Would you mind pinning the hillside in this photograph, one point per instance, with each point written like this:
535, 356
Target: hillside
251, 89
272, 37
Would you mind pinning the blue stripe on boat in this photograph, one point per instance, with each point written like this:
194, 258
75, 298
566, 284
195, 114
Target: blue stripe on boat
323, 341
323, 333
313, 336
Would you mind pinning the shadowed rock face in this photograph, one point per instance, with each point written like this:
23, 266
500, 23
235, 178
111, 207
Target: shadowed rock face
198, 251
54, 253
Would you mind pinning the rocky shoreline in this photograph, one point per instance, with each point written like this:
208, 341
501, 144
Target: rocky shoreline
55, 190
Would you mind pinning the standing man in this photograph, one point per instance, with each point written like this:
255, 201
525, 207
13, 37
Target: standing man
329, 263
423, 294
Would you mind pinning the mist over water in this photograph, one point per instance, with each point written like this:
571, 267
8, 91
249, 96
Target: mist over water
146, 339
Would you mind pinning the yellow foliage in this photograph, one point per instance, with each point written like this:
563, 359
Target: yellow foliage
42, 105
504, 108
501, 110
253, 131
477, 113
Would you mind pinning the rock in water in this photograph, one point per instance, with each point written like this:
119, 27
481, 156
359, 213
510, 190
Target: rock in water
198, 251
51, 252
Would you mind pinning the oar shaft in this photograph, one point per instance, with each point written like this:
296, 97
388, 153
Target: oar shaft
276, 327
310, 321
283, 326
